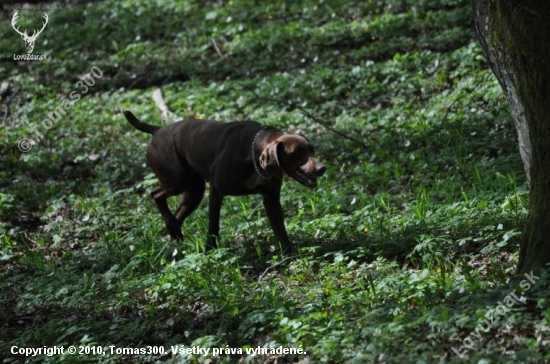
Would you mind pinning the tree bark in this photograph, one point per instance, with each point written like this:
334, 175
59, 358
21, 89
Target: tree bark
515, 37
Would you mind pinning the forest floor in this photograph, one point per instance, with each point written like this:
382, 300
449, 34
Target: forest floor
406, 250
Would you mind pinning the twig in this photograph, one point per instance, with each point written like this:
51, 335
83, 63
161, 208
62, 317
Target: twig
216, 47
306, 113
167, 114
457, 99
5, 115
8, 100
330, 128
449, 108
274, 266
441, 123
6, 103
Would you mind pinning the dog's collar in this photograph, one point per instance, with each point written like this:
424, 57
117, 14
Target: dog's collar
258, 168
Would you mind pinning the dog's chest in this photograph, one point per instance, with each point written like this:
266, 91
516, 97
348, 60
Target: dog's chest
241, 182
255, 183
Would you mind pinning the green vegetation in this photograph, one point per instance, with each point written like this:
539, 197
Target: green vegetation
410, 239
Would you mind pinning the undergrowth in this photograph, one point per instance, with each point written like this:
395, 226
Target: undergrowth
409, 240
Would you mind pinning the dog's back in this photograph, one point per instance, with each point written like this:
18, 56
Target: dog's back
209, 147
201, 145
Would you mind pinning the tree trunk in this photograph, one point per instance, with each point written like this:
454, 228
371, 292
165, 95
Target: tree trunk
515, 36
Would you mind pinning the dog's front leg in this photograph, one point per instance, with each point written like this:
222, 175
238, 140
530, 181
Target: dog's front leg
276, 218
214, 206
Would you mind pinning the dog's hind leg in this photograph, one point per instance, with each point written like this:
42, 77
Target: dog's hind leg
160, 196
190, 198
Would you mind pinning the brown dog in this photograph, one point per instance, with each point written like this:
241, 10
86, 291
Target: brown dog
237, 158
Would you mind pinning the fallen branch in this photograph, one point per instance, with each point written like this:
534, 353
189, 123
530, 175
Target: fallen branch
167, 114
274, 266
293, 106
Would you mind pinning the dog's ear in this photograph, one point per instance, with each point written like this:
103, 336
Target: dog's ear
269, 159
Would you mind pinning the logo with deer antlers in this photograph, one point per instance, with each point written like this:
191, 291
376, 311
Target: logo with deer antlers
29, 39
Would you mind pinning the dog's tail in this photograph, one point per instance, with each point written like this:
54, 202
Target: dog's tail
139, 125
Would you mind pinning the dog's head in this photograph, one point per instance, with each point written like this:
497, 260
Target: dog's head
294, 155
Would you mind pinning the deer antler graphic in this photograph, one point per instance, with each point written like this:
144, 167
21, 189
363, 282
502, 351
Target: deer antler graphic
29, 40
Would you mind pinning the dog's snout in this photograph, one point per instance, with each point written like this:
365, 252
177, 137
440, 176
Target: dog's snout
320, 169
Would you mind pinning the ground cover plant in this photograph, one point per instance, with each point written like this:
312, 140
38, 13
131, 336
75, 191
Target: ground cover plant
407, 248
